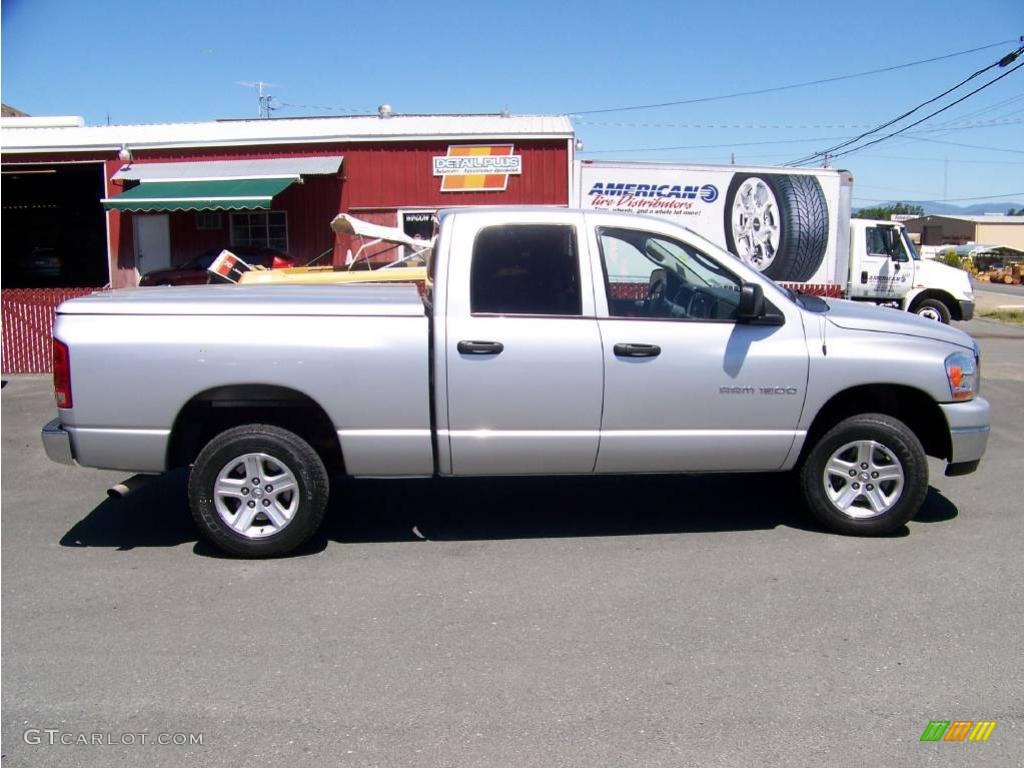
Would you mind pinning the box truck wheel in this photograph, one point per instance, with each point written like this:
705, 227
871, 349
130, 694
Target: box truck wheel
258, 491
933, 309
777, 223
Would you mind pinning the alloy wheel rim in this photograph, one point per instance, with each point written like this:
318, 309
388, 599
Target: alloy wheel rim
256, 495
863, 479
756, 228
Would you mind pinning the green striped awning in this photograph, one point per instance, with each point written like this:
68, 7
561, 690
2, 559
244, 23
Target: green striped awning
202, 195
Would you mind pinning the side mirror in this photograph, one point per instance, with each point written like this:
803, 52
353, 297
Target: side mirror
751, 305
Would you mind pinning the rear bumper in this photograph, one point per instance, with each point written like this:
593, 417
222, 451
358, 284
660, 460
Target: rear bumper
968, 429
966, 310
57, 443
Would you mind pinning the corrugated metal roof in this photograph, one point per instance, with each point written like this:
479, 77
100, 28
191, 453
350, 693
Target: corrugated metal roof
982, 219
282, 131
989, 219
232, 169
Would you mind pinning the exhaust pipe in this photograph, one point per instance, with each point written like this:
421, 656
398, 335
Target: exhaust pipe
126, 486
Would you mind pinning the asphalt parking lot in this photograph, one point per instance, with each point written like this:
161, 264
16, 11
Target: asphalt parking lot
609, 622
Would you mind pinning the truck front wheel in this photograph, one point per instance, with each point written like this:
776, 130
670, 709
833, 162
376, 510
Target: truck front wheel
866, 476
258, 491
933, 309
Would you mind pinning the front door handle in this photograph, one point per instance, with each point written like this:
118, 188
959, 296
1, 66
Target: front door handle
480, 347
637, 350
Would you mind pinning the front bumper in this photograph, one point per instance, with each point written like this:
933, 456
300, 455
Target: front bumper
966, 310
57, 443
968, 431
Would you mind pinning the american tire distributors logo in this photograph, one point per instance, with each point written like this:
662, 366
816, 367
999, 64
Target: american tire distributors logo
477, 168
958, 730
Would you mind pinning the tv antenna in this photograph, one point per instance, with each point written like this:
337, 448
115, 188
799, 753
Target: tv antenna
265, 100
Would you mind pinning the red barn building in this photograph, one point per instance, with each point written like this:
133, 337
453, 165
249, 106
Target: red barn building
165, 193
89, 206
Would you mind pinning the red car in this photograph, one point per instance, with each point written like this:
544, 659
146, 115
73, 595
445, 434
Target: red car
194, 272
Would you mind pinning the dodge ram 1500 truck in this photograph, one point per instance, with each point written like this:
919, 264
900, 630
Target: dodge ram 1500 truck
547, 341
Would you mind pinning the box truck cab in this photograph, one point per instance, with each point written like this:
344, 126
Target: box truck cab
793, 225
885, 268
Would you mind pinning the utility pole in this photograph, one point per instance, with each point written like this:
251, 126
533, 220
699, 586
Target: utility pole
945, 179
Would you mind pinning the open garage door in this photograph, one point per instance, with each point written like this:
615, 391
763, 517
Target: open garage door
54, 227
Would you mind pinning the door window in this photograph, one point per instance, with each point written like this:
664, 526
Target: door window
887, 243
653, 276
525, 269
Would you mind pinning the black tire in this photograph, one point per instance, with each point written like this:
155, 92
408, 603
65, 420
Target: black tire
803, 226
288, 456
933, 309
898, 446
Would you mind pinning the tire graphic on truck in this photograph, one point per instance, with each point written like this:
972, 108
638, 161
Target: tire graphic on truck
777, 223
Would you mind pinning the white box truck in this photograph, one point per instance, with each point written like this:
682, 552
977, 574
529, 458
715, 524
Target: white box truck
791, 224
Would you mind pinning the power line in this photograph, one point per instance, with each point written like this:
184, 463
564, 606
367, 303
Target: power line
330, 109
948, 199
959, 123
926, 117
792, 85
989, 108
914, 135
833, 150
968, 146
707, 146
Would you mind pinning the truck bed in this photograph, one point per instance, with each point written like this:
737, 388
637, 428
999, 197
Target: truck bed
141, 356
262, 300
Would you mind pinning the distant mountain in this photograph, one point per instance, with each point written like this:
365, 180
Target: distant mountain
931, 207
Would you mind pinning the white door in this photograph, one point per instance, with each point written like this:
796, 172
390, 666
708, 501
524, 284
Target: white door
884, 270
152, 242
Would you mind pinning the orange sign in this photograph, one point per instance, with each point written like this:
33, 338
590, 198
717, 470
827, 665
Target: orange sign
477, 168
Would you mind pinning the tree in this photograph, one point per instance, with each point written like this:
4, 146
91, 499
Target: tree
885, 212
1018, 212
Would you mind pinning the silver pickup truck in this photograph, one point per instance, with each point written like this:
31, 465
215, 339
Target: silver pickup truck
548, 341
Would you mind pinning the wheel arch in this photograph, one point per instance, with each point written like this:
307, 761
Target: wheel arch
939, 295
215, 410
915, 408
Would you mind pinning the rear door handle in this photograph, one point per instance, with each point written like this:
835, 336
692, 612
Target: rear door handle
480, 347
637, 350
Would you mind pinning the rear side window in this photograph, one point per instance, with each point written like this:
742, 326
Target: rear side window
525, 269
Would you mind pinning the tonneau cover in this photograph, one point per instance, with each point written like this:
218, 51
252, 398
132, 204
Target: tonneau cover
260, 300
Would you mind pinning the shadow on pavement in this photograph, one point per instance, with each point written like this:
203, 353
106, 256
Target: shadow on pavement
523, 508
156, 513
936, 508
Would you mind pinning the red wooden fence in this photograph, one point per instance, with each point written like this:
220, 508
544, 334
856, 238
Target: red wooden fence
27, 322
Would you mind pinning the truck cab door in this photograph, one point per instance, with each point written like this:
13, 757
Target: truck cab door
522, 350
881, 267
689, 387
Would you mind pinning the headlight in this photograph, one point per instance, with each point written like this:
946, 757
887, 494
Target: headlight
961, 370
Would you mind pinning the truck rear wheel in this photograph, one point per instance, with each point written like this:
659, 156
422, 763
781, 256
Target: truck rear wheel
777, 223
866, 476
258, 491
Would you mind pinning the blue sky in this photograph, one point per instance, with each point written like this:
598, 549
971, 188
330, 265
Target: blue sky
163, 62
